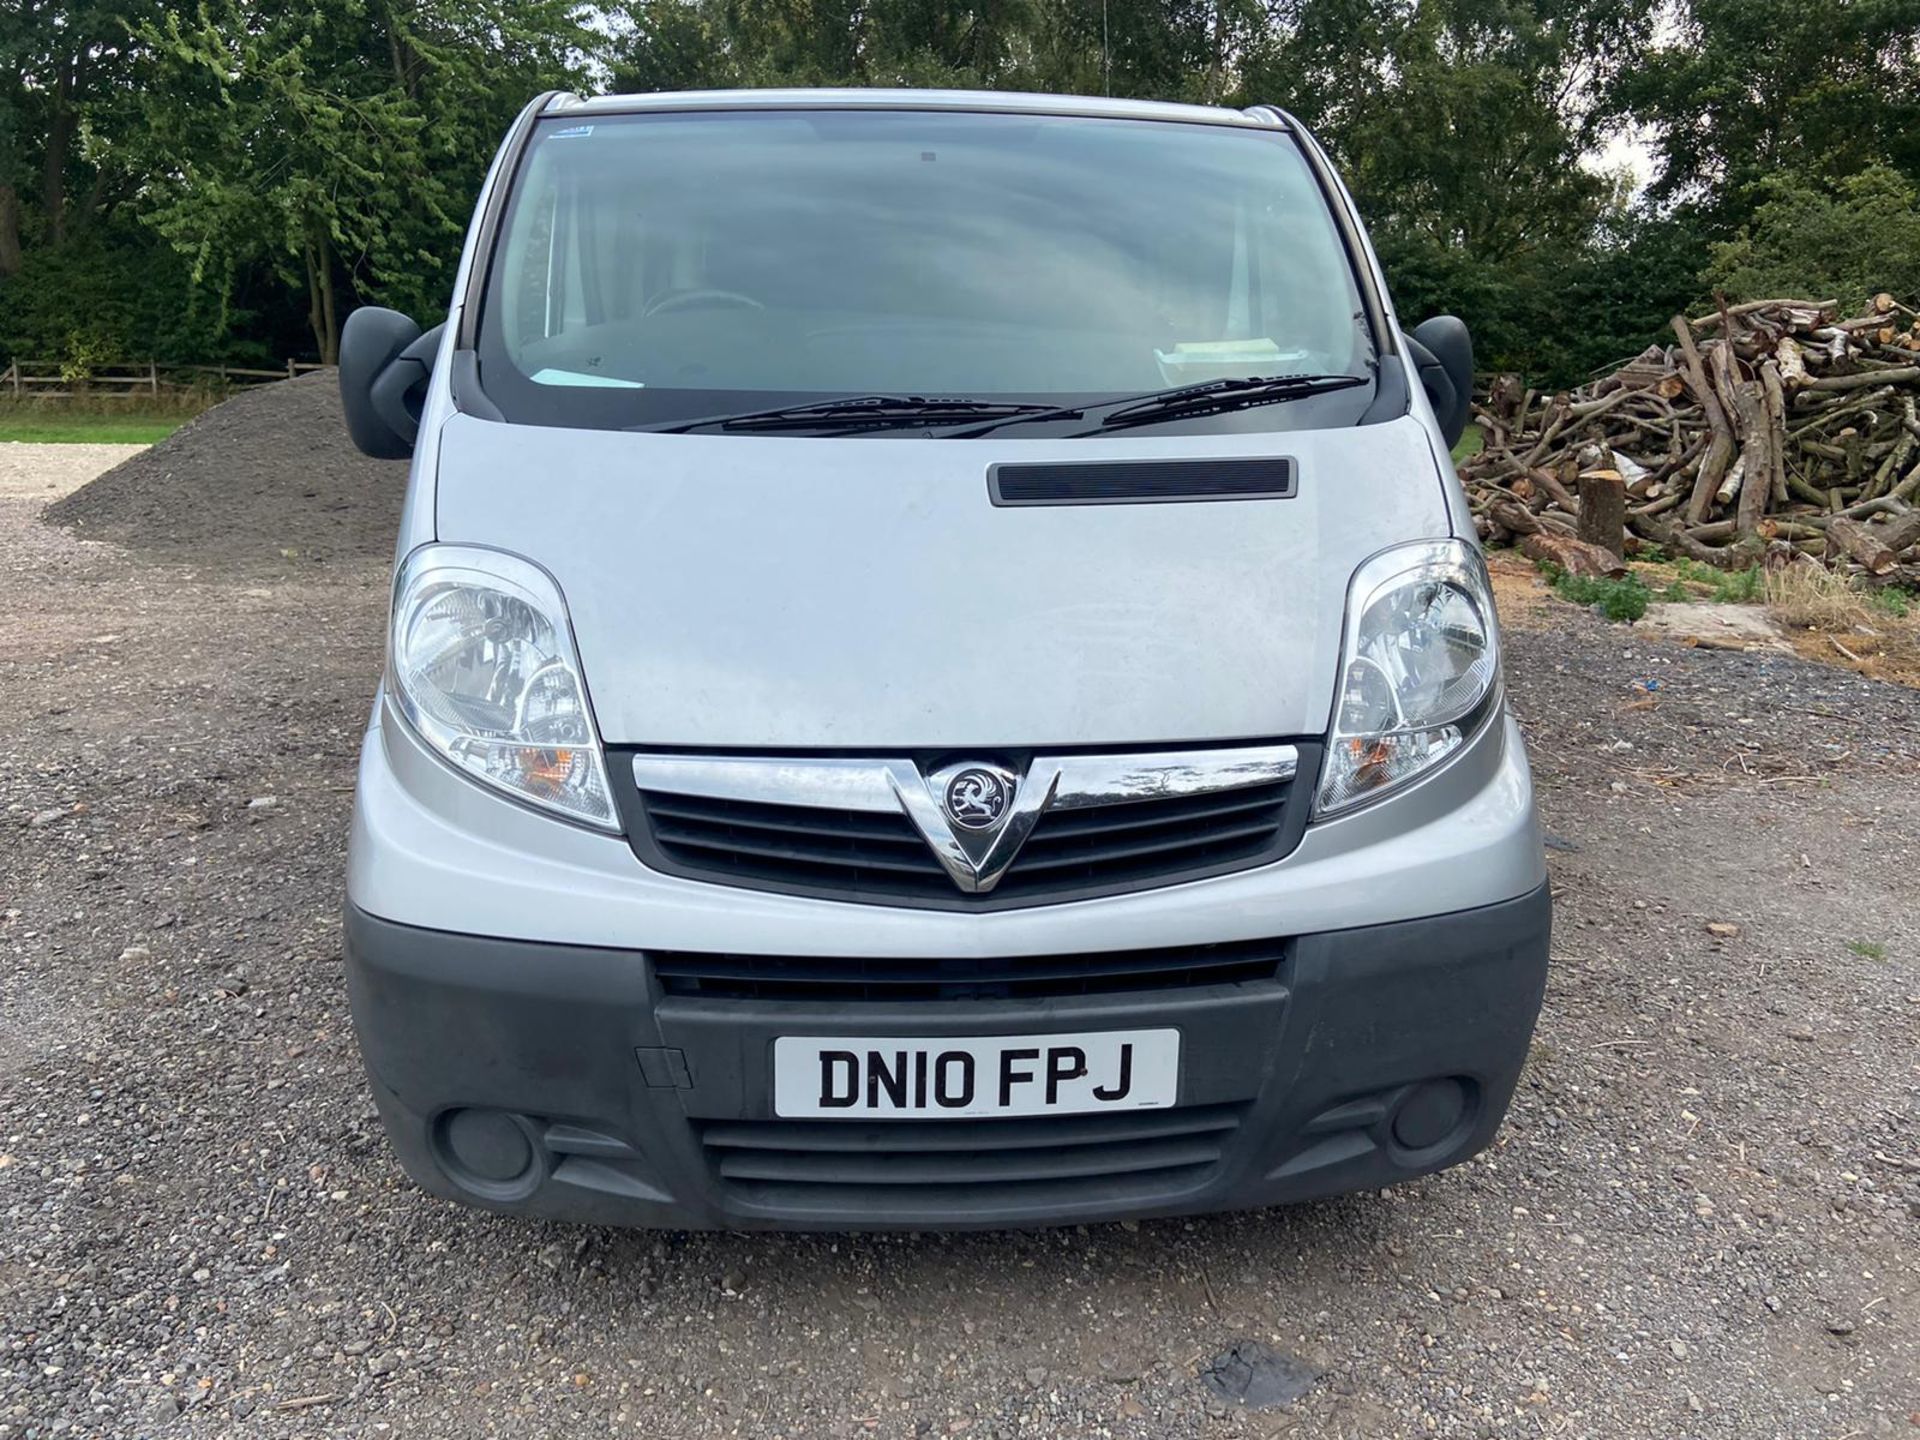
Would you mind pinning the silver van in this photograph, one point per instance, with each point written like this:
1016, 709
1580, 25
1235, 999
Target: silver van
939, 676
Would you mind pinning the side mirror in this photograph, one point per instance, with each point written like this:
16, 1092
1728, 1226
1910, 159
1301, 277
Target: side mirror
384, 365
1442, 351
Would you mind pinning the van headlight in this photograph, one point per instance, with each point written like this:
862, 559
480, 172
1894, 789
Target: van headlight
482, 664
1419, 669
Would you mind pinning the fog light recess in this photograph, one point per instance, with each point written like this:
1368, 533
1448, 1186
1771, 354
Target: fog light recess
492, 1153
1430, 1113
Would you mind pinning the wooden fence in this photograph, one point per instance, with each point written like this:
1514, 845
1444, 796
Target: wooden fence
44, 380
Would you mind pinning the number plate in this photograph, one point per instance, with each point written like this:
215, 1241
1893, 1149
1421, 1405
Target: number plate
863, 1077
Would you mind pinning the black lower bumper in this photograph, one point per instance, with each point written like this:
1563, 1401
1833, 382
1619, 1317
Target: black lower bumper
564, 1082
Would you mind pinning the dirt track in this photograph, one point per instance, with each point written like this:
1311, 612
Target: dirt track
1703, 1218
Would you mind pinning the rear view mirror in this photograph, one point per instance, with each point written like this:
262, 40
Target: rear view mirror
384, 365
1442, 351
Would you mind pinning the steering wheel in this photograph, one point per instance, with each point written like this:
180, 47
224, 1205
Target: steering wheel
668, 300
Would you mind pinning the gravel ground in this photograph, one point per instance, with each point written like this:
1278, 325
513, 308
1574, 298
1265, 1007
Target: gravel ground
47, 472
1700, 1221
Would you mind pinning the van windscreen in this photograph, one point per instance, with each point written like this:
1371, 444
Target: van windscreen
656, 267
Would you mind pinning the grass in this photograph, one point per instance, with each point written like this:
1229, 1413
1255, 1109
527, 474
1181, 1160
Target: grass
1470, 444
1877, 631
45, 426
1814, 598
1622, 601
1874, 631
1889, 601
1724, 587
1868, 949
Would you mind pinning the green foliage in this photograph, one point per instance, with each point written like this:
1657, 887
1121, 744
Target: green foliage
1753, 89
1868, 949
1622, 601
1151, 47
1724, 587
341, 141
1843, 241
1454, 124
112, 294
1451, 117
1894, 602
227, 178
1732, 586
1503, 304
1739, 587
26, 422
1640, 269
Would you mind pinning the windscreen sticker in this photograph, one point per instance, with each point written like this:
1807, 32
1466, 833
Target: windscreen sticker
553, 376
1210, 359
573, 132
1254, 348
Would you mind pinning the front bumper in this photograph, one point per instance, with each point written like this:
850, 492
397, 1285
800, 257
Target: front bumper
563, 1081
432, 849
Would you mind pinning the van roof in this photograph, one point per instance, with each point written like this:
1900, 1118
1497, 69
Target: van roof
990, 101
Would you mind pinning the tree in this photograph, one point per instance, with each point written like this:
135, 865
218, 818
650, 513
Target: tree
222, 175
67, 71
1847, 241
1749, 89
1463, 128
341, 141
1171, 49
672, 45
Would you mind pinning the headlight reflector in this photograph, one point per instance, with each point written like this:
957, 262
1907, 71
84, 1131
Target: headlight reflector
1419, 669
482, 664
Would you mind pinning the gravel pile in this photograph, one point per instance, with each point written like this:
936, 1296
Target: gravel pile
264, 481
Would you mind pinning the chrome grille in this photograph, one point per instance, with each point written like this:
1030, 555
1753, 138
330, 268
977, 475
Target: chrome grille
860, 829
750, 841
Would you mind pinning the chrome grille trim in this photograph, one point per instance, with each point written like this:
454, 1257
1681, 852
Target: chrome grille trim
824, 784
975, 862
875, 784
987, 831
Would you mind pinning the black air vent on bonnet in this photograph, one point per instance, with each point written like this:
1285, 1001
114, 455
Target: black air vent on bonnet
1136, 482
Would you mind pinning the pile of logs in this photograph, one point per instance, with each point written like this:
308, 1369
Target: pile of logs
1767, 431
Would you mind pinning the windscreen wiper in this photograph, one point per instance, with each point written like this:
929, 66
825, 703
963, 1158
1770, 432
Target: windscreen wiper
1216, 396
860, 412
1209, 397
